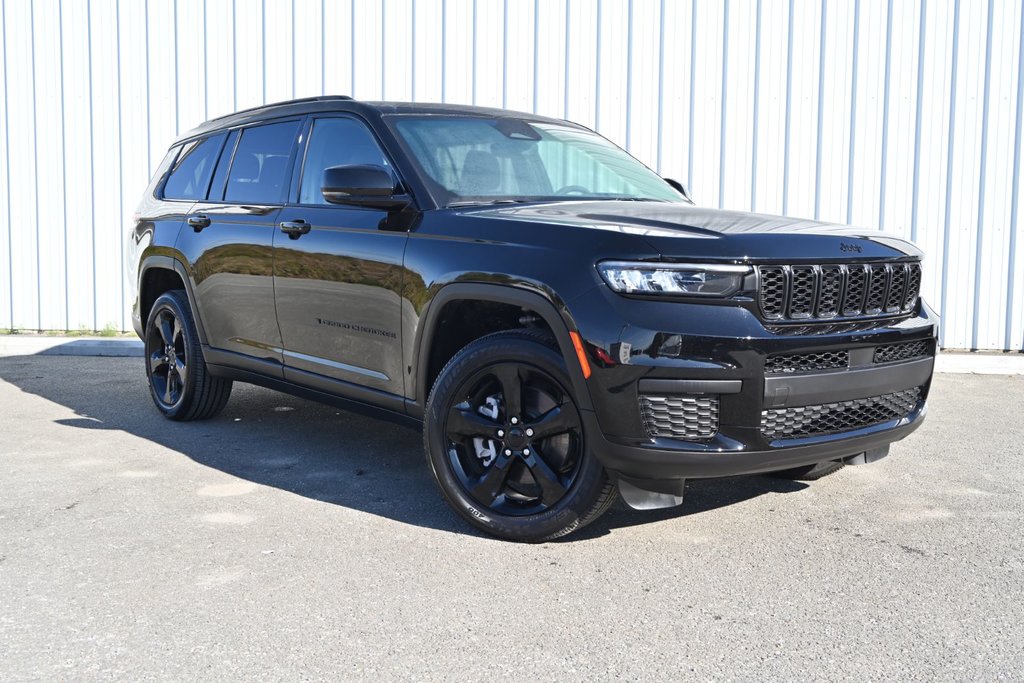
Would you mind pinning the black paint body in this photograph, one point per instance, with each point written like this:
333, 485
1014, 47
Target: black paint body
348, 312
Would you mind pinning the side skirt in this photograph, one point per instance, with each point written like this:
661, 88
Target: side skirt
300, 391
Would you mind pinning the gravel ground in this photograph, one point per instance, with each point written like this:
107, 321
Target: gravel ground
286, 540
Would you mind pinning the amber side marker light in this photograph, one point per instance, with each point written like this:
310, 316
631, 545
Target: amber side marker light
580, 354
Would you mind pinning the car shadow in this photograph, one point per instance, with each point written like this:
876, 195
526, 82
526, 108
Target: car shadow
306, 448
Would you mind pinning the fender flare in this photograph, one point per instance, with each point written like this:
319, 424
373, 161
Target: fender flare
560, 324
165, 262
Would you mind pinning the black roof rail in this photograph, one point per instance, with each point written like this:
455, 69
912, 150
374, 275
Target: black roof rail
268, 105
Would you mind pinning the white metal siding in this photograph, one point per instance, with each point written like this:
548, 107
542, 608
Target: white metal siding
896, 115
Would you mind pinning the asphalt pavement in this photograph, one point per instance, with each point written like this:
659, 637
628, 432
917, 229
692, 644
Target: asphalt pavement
285, 540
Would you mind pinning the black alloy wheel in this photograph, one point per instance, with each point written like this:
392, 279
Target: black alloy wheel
179, 380
167, 357
505, 440
515, 442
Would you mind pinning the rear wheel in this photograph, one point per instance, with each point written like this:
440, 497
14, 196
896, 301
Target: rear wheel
180, 383
810, 472
505, 443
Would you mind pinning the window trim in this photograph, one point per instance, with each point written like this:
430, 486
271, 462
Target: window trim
158, 184
231, 160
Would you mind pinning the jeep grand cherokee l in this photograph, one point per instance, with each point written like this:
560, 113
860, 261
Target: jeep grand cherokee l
565, 325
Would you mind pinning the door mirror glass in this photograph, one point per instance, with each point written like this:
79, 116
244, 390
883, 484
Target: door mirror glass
361, 185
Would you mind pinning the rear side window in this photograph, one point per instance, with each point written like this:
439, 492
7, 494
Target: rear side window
336, 142
261, 163
190, 177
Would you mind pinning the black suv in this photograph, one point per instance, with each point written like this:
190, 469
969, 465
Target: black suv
564, 324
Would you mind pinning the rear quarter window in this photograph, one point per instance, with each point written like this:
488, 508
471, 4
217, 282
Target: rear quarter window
190, 177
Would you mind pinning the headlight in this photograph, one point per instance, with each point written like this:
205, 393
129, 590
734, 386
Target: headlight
685, 279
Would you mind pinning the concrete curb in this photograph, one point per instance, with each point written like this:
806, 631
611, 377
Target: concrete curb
31, 345
978, 363
954, 362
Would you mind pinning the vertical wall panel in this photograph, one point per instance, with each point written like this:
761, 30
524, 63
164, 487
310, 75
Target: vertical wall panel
6, 272
49, 148
899, 115
21, 110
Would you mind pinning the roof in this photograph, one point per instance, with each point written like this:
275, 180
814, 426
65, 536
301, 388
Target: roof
328, 103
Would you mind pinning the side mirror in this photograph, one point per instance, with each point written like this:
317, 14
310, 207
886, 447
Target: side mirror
362, 185
680, 188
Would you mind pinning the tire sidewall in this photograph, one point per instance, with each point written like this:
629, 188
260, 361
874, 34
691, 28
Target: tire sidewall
567, 514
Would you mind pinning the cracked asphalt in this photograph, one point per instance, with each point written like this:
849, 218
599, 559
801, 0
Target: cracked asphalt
285, 540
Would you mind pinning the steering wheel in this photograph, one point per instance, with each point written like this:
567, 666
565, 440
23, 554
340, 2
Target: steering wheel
573, 189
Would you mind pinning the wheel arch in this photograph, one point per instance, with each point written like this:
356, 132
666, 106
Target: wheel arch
158, 274
427, 333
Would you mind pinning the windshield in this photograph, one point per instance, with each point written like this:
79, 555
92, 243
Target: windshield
474, 160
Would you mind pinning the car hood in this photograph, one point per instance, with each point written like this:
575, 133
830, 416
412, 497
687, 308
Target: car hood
684, 231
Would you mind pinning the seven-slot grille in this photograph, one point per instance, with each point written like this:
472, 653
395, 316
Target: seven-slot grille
680, 417
837, 417
837, 291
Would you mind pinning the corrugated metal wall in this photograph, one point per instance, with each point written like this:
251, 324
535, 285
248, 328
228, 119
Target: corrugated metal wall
899, 115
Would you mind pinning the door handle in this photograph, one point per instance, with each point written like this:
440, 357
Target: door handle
295, 229
197, 223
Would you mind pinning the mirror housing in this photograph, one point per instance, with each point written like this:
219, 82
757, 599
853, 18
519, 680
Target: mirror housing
679, 187
362, 185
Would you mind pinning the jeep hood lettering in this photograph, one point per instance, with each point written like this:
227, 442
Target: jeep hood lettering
684, 231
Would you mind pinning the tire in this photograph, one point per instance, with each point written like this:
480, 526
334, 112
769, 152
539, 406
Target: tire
179, 382
537, 481
810, 472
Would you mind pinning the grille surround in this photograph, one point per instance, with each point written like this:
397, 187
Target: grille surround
691, 417
835, 293
837, 417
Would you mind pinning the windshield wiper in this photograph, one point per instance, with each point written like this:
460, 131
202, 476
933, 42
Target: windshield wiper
617, 198
502, 200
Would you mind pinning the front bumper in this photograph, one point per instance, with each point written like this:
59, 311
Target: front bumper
656, 462
723, 351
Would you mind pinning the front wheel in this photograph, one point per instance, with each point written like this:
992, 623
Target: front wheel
505, 442
179, 381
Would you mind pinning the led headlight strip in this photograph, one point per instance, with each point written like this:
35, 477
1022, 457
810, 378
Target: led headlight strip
673, 279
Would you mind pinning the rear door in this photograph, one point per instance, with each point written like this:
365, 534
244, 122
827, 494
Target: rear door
229, 239
338, 286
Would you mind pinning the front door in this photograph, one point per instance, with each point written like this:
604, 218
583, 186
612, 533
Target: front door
338, 279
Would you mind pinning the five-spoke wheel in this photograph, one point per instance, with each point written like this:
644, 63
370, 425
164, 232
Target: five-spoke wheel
179, 381
515, 441
165, 348
505, 440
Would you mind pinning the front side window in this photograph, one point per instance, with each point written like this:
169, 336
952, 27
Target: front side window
260, 165
470, 159
336, 142
190, 177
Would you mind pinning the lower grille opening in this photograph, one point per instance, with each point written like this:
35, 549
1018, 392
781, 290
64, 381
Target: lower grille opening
838, 417
684, 416
890, 353
807, 362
